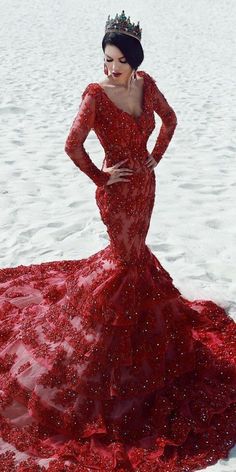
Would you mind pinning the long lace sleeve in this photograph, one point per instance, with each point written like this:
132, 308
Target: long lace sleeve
79, 131
169, 121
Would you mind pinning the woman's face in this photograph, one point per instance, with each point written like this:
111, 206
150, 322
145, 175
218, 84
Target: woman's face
117, 63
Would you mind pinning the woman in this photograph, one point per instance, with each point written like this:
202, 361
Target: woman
105, 365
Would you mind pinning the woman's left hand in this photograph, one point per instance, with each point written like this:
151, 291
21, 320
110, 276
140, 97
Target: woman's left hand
151, 162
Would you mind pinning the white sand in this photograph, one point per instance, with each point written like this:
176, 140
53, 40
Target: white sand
49, 52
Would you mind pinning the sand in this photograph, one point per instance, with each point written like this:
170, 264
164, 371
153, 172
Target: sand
49, 52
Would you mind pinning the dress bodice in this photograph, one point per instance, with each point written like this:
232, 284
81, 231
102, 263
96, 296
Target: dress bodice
120, 134
117, 129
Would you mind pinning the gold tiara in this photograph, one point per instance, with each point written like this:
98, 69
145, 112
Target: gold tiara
122, 24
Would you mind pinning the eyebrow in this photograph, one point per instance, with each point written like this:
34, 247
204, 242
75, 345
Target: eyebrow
112, 57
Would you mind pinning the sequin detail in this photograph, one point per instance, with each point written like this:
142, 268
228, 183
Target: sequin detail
121, 135
104, 365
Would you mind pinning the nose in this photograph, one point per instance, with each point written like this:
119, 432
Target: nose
115, 68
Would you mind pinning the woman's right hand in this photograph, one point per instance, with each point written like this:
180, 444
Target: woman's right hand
117, 173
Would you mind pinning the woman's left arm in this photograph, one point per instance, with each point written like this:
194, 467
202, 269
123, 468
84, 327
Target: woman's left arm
169, 122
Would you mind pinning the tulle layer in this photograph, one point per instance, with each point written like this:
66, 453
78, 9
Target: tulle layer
105, 366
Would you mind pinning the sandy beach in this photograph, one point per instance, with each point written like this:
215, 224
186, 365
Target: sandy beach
50, 51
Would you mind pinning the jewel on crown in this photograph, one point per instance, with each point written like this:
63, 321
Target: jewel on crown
122, 24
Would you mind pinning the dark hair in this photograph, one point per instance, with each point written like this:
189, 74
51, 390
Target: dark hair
129, 46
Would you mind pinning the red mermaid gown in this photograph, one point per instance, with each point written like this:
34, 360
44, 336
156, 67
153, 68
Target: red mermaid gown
104, 365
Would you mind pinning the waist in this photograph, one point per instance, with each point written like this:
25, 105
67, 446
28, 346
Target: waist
134, 159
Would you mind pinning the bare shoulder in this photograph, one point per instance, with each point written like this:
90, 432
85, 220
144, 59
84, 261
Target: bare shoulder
105, 83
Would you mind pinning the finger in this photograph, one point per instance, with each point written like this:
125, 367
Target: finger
119, 163
123, 172
121, 176
116, 176
124, 169
124, 175
123, 180
119, 180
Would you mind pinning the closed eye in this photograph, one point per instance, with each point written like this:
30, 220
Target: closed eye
110, 60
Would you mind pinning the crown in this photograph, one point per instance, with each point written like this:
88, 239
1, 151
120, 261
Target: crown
122, 24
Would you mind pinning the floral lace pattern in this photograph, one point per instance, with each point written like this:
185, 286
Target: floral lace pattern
104, 365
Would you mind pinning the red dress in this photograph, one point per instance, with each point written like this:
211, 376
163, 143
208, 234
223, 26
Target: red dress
104, 365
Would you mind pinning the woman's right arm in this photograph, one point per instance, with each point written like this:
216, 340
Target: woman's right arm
82, 124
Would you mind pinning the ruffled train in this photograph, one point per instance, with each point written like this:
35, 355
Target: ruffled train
105, 366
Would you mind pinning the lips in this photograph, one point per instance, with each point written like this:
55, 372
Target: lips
116, 74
